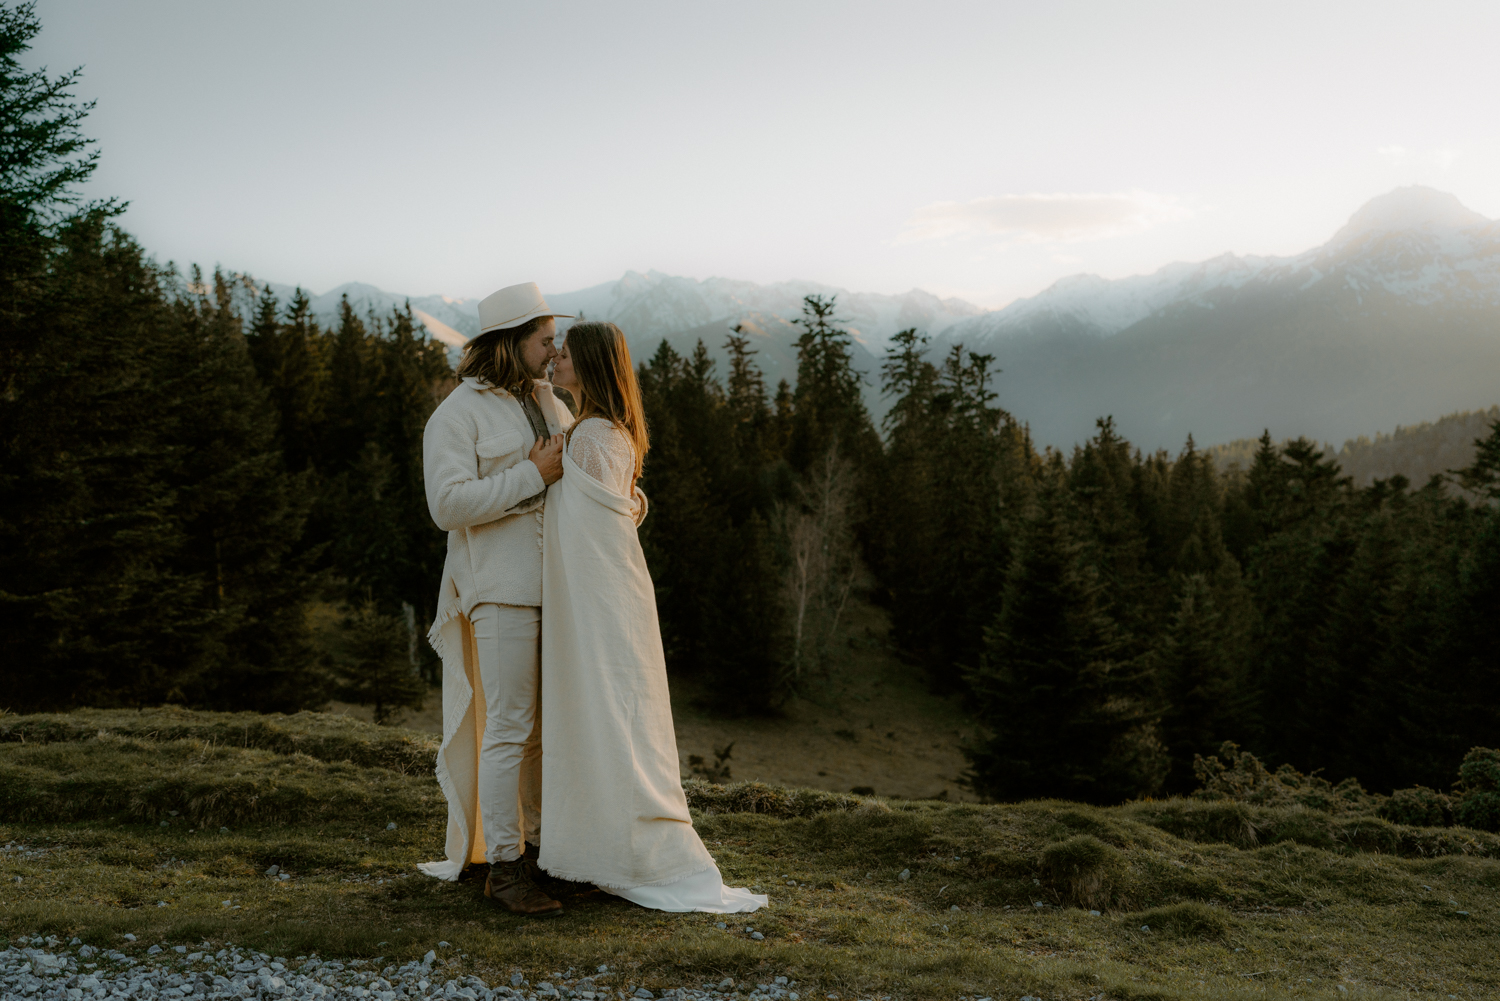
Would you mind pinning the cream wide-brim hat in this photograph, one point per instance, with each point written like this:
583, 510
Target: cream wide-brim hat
513, 306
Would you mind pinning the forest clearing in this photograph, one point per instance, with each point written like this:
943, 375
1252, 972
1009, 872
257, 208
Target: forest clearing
867, 722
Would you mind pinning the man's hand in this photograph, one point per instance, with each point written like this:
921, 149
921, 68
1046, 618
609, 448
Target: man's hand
547, 454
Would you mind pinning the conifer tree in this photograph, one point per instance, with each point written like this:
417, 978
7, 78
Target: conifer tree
782, 415
716, 577
827, 405
242, 516
288, 359
909, 488
1300, 504
1200, 683
683, 534
411, 368
94, 608
1482, 476
1377, 671
747, 407
1105, 483
373, 663
352, 387
955, 463
91, 608
748, 662
1468, 654
752, 474
1065, 718
746, 395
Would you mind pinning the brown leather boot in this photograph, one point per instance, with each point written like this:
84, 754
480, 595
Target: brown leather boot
510, 885
548, 882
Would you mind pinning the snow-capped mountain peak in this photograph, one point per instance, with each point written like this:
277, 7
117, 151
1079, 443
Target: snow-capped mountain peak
1413, 242
659, 304
655, 304
1406, 209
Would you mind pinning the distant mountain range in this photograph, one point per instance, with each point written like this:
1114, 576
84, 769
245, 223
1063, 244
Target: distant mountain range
1394, 320
653, 306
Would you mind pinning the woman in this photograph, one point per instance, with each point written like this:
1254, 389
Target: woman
613, 811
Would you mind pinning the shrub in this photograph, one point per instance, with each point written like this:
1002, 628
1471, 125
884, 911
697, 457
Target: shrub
1478, 789
1242, 777
374, 660
1084, 871
1418, 806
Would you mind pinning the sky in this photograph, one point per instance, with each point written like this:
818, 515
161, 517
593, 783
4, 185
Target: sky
980, 150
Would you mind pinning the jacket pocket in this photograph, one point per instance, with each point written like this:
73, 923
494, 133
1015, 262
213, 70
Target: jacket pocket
498, 446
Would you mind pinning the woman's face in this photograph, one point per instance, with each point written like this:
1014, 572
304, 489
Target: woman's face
562, 371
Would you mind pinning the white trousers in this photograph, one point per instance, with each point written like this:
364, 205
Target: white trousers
507, 640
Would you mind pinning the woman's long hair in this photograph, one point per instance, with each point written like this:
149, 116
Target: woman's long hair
606, 378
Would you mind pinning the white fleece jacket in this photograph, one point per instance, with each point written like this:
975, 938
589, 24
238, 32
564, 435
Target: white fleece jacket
488, 495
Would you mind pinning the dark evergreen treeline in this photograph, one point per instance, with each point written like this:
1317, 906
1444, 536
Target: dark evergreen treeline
178, 488
1107, 614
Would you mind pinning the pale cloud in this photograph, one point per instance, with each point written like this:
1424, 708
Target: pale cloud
1037, 218
1400, 156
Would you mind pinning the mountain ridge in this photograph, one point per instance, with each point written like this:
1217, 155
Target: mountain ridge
1393, 319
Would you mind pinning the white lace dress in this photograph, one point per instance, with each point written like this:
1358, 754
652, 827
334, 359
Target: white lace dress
605, 452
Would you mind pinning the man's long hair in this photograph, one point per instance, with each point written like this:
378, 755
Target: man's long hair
606, 378
495, 358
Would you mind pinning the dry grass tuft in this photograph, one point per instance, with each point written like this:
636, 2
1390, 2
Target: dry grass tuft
773, 801
1085, 872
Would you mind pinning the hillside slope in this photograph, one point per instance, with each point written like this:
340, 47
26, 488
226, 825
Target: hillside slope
291, 835
1418, 452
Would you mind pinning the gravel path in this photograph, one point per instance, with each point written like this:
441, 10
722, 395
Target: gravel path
37, 968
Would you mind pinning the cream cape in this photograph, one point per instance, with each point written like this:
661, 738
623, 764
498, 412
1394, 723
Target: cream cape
612, 803
507, 572
458, 757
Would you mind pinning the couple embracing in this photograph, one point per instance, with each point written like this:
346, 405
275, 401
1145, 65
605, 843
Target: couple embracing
558, 760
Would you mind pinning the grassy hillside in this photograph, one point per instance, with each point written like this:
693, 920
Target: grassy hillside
163, 823
1417, 452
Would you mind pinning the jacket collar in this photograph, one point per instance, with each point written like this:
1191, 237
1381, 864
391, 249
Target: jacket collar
478, 385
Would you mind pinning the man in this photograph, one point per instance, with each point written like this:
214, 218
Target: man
490, 451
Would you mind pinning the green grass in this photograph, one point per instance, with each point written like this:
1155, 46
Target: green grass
1241, 901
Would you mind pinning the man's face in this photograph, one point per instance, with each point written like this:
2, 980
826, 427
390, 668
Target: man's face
537, 351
